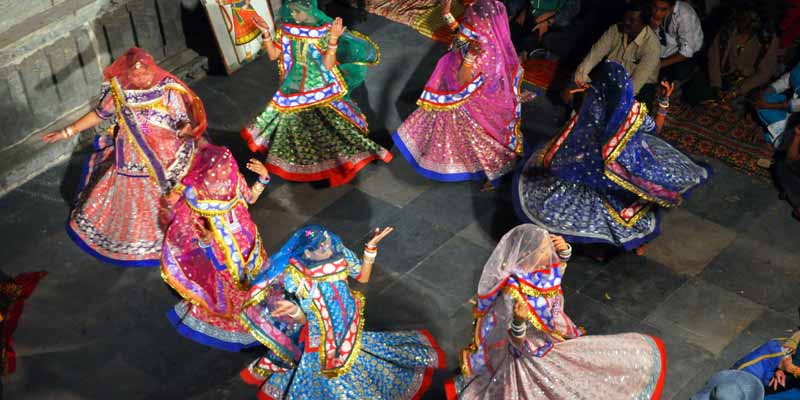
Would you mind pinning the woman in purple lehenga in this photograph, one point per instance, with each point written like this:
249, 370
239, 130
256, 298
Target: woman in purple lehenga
467, 126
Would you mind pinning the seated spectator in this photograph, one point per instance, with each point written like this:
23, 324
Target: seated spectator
773, 363
731, 385
681, 37
631, 43
787, 170
533, 19
742, 57
776, 103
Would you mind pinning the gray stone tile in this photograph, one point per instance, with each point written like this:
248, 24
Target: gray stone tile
454, 268
281, 211
453, 205
490, 226
687, 242
398, 185
408, 304
757, 271
632, 284
704, 315
413, 240
581, 271
354, 215
776, 227
731, 199
595, 317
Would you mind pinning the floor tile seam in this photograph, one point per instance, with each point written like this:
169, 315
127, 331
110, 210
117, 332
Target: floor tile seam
665, 300
419, 263
623, 313
740, 296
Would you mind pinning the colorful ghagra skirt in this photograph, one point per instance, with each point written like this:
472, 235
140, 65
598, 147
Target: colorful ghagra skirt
390, 365
325, 142
584, 215
627, 366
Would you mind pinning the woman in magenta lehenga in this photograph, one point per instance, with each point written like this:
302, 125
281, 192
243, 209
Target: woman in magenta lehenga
467, 126
212, 249
524, 345
156, 118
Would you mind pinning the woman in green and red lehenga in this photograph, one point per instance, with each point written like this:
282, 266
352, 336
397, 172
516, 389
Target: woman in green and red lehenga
312, 130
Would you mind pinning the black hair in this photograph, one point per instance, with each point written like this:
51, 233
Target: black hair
644, 8
671, 2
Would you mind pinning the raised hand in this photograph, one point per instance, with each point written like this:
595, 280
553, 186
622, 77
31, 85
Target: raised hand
446, 6
185, 131
475, 47
541, 27
521, 311
559, 243
337, 29
779, 380
259, 22
258, 167
286, 307
667, 88
378, 235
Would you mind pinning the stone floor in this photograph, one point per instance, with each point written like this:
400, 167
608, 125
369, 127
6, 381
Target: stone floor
722, 278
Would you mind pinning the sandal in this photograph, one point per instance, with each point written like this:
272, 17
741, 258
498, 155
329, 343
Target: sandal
765, 162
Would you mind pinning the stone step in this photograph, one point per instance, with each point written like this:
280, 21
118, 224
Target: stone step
32, 156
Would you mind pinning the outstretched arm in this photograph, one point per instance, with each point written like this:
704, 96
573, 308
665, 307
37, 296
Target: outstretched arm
370, 252
263, 180
273, 52
337, 29
87, 121
663, 103
466, 72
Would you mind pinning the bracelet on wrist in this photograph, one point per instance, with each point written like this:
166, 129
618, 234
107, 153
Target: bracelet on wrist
264, 180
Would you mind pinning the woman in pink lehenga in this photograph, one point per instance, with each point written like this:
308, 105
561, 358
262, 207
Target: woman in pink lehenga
526, 347
156, 118
212, 249
467, 126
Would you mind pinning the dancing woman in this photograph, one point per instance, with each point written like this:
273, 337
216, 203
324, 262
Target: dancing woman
524, 345
602, 179
156, 118
467, 126
212, 249
337, 359
311, 129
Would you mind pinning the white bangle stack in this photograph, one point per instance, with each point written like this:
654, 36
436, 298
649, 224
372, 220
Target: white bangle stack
518, 329
296, 314
370, 253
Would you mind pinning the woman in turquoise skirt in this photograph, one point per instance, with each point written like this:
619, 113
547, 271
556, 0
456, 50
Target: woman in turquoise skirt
305, 313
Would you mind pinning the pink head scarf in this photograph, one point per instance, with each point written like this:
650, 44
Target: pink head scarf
210, 230
495, 105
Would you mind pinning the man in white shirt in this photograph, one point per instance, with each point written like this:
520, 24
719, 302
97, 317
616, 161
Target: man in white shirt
681, 37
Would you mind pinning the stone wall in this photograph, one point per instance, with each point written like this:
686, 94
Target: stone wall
51, 57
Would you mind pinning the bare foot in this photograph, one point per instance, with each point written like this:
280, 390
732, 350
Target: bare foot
640, 250
487, 187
